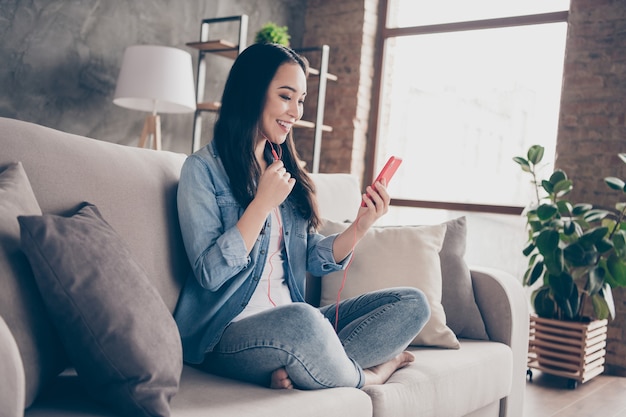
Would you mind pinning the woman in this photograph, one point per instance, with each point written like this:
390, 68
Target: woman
248, 217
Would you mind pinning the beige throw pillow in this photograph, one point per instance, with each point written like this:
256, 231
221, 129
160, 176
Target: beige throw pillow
392, 257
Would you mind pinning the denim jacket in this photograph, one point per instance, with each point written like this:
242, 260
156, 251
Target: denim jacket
224, 275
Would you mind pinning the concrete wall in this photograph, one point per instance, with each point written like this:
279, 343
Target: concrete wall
59, 59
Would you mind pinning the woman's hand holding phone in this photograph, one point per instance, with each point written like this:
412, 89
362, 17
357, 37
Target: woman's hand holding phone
376, 200
386, 173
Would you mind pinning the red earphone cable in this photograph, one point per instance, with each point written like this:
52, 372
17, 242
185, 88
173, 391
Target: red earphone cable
276, 155
345, 276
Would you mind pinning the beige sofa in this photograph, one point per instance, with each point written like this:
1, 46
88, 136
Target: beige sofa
134, 189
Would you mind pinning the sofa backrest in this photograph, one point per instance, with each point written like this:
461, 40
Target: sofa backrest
135, 189
338, 196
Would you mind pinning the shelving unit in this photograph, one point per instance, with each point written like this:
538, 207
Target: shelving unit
219, 47
232, 50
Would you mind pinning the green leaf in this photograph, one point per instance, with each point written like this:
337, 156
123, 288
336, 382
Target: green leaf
608, 278
617, 269
529, 249
596, 280
547, 185
569, 227
523, 163
607, 295
604, 245
535, 154
619, 243
546, 211
563, 187
581, 209
547, 242
564, 206
535, 226
595, 215
562, 285
622, 156
582, 223
554, 261
600, 307
565, 294
591, 237
575, 253
578, 255
558, 176
543, 304
615, 183
536, 273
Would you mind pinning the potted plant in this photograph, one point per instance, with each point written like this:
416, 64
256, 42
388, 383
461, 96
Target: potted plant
576, 255
272, 33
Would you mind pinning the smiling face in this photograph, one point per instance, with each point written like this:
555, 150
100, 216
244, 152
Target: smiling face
284, 103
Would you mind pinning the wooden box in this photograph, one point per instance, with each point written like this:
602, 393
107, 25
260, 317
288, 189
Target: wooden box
574, 350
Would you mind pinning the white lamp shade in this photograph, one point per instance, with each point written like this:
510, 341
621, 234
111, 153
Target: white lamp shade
156, 79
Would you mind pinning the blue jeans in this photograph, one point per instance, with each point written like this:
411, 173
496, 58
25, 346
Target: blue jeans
372, 329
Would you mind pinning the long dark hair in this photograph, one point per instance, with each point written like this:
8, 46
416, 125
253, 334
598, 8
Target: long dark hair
237, 127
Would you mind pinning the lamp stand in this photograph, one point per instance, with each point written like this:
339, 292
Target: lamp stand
151, 132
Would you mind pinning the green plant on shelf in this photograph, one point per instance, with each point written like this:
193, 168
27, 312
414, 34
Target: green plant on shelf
273, 33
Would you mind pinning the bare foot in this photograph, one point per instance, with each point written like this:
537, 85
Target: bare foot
280, 380
379, 374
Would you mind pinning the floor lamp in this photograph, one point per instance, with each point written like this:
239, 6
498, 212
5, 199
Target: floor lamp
155, 79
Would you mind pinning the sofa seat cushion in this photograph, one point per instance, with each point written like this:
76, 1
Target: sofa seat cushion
200, 391
443, 382
202, 394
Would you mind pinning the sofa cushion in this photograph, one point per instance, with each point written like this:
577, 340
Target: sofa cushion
21, 305
457, 298
205, 395
446, 382
201, 391
392, 257
117, 330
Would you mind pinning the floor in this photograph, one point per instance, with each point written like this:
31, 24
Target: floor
549, 396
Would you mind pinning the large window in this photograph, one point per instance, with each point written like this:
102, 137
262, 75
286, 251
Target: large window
459, 100
465, 87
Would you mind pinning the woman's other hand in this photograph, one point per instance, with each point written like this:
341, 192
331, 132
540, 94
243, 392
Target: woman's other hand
275, 185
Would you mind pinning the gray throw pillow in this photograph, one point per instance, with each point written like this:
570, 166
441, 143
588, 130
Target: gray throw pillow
457, 298
117, 331
21, 305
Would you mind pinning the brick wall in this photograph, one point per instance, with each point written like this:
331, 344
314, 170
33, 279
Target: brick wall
349, 28
592, 125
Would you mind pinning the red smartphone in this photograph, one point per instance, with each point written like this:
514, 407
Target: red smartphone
387, 172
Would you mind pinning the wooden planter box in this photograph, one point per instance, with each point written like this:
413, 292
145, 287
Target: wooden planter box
574, 350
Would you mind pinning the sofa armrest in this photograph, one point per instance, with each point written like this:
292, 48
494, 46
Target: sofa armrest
504, 307
13, 386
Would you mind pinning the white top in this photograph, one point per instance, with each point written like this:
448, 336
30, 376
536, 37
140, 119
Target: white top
272, 290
